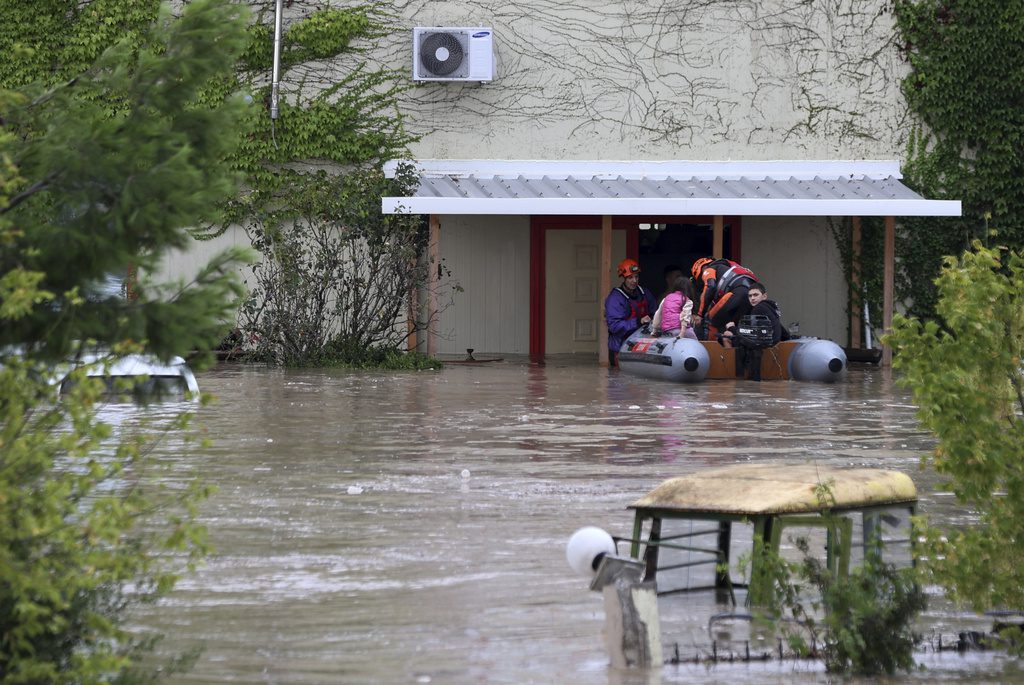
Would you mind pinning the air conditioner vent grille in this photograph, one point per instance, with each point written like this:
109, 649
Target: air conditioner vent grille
441, 53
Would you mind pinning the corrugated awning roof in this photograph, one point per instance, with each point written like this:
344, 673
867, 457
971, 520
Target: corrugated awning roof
798, 188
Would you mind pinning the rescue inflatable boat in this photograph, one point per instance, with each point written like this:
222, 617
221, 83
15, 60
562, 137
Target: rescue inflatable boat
814, 359
690, 361
665, 357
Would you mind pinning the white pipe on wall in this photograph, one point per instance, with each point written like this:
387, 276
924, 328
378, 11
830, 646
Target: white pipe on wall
276, 79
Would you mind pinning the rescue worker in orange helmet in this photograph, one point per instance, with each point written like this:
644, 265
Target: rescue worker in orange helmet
627, 308
723, 286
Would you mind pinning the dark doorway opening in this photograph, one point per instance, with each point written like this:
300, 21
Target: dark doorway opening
680, 244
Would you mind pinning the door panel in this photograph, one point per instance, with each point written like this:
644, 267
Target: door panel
573, 297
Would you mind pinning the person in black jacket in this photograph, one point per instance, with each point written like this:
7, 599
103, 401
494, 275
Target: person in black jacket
749, 349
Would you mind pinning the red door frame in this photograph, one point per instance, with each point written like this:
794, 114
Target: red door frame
539, 225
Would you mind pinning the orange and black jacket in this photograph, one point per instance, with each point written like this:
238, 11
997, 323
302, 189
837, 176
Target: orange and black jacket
717, 279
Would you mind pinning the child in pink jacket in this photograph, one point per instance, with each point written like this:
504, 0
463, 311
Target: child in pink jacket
673, 316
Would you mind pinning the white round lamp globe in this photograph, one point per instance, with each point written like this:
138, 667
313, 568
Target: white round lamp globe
584, 546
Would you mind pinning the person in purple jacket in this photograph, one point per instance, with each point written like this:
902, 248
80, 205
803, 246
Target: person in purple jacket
627, 308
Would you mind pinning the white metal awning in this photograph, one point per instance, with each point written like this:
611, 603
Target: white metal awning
663, 188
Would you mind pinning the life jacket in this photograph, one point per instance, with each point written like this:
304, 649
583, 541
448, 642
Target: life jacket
727, 275
733, 276
638, 306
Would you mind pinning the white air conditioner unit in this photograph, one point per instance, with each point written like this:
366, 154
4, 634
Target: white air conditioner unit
452, 54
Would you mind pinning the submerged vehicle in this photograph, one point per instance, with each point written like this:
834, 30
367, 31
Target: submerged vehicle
693, 521
689, 532
691, 361
704, 544
136, 374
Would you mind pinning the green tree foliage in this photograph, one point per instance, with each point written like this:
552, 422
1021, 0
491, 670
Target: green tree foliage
861, 624
857, 624
336, 275
964, 371
964, 89
103, 167
117, 162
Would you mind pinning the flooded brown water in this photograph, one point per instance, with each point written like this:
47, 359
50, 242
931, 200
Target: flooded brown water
411, 527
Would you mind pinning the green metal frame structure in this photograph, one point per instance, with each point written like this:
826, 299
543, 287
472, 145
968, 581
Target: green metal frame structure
768, 529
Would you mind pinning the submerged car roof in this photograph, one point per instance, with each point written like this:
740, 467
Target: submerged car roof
760, 489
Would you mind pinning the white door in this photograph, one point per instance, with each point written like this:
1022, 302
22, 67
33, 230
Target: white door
573, 301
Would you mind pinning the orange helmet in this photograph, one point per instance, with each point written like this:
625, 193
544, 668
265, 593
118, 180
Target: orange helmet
628, 267
698, 266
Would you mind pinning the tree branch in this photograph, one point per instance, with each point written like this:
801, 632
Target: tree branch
37, 187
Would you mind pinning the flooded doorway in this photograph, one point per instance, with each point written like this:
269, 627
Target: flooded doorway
680, 241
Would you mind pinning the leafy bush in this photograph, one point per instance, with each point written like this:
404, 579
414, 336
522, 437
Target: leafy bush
965, 375
860, 624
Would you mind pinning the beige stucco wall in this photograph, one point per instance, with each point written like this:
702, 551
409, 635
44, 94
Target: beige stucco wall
798, 261
663, 79
184, 265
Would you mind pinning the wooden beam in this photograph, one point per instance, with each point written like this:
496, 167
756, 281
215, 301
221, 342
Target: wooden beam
888, 287
606, 286
410, 327
538, 306
717, 236
856, 297
433, 282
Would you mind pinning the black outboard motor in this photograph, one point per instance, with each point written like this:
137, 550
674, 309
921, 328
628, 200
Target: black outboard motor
753, 334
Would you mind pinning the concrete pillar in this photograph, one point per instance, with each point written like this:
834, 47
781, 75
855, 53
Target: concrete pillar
632, 627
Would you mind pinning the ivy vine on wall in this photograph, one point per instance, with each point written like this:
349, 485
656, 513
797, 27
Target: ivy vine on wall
966, 90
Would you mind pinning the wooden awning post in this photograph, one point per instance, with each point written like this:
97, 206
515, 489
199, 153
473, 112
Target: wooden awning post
606, 286
410, 324
718, 236
888, 285
857, 296
433, 282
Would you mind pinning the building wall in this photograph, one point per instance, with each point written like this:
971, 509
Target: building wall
648, 79
184, 265
663, 79
797, 259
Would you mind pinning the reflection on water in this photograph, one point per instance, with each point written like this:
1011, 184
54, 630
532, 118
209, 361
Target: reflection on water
410, 528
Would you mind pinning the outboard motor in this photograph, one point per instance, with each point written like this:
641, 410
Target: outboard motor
753, 334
